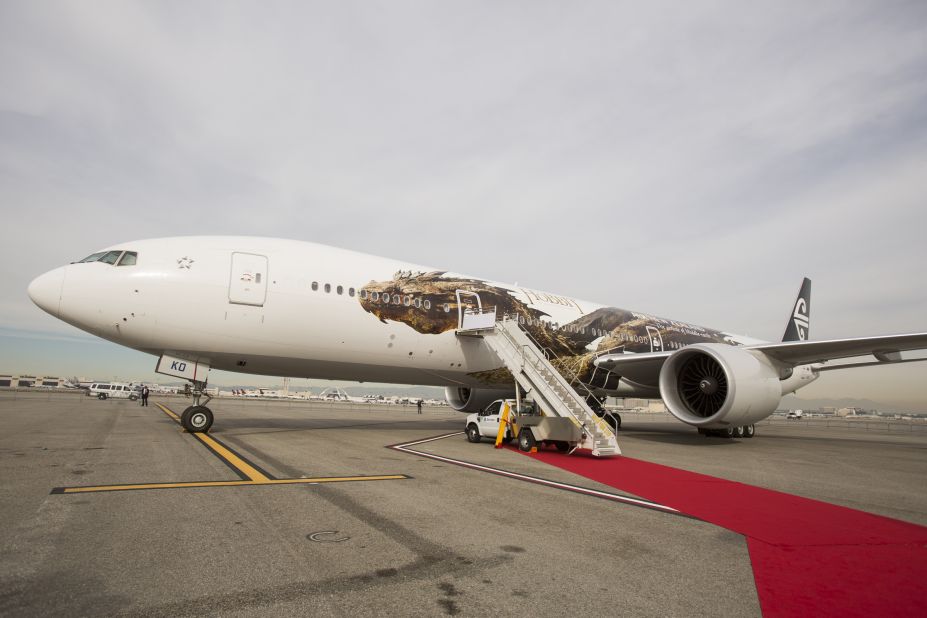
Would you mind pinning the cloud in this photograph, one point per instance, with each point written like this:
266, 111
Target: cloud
693, 161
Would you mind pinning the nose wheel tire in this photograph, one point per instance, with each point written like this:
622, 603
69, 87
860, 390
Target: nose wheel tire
473, 434
196, 419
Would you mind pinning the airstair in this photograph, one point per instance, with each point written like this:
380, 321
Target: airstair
536, 375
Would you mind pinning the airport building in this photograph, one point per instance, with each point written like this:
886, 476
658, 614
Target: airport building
9, 380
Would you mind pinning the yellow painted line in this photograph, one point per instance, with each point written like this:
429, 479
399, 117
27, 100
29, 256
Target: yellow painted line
254, 476
243, 466
169, 412
237, 462
325, 479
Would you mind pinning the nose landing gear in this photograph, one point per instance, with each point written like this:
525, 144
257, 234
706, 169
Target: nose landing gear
197, 418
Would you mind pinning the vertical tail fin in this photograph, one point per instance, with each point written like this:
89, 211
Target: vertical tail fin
799, 324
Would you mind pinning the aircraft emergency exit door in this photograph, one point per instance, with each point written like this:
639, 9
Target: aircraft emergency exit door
248, 283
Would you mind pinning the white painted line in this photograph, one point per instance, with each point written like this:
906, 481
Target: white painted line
525, 477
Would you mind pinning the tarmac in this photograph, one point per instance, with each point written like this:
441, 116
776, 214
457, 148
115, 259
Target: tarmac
291, 508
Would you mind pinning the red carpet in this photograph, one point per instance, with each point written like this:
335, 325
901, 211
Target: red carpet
809, 557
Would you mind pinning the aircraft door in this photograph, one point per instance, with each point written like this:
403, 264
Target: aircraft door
467, 300
656, 339
248, 281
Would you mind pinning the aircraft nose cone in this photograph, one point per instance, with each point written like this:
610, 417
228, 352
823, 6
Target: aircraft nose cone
45, 291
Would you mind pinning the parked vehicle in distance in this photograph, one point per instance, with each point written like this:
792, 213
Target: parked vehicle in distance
116, 390
796, 414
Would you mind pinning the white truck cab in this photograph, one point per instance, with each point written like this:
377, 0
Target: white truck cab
485, 423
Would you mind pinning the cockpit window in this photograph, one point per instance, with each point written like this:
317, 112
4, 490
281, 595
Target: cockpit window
111, 257
129, 258
93, 257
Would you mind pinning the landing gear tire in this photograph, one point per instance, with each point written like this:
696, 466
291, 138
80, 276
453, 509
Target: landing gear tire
102, 396
526, 440
727, 432
196, 419
749, 431
473, 434
738, 432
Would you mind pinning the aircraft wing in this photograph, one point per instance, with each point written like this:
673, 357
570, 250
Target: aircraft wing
645, 368
886, 348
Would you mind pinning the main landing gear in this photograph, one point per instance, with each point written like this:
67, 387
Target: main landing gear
197, 418
742, 431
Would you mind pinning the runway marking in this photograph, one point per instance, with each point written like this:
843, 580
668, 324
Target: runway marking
192, 484
647, 504
250, 473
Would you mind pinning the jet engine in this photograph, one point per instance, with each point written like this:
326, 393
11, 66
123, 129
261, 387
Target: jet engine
465, 399
715, 386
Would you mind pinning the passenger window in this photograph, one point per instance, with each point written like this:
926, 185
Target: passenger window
386, 299
418, 303
315, 286
111, 257
351, 292
374, 296
328, 288
407, 300
257, 277
427, 305
340, 290
396, 299
128, 258
447, 308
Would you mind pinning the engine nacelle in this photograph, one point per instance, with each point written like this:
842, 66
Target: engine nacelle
715, 386
470, 400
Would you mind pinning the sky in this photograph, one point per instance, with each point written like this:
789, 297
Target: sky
689, 160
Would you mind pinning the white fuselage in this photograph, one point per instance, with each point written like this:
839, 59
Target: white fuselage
300, 316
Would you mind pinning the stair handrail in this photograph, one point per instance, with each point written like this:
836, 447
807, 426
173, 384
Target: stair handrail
571, 383
506, 317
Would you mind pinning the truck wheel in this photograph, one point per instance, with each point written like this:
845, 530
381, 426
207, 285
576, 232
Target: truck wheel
473, 434
526, 440
563, 447
507, 440
101, 396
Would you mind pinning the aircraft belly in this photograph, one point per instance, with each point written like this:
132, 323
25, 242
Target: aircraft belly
328, 369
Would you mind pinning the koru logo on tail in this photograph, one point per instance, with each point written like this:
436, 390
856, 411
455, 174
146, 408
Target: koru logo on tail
800, 319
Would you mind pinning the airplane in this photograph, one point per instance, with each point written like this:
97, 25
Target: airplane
299, 309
